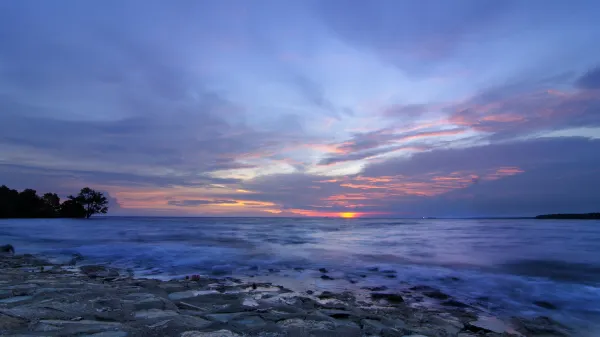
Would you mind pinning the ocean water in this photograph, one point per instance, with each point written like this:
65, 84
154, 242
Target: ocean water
500, 266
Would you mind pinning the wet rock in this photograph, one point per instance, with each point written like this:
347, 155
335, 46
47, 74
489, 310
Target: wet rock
487, 324
219, 333
97, 271
326, 295
248, 323
422, 288
337, 314
545, 305
310, 292
454, 303
307, 325
224, 318
109, 334
372, 327
76, 327
390, 297
7, 249
76, 257
16, 300
373, 269
154, 314
540, 326
299, 269
438, 295
327, 277
11, 323
381, 288
450, 325
323, 270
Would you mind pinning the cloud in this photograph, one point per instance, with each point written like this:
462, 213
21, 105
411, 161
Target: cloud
190, 108
451, 182
381, 142
193, 203
590, 80
528, 112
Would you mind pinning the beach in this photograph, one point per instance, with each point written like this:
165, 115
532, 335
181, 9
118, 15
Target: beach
494, 268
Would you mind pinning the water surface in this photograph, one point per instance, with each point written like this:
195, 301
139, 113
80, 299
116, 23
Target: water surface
503, 266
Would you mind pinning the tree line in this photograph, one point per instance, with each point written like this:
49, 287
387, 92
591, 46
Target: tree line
27, 204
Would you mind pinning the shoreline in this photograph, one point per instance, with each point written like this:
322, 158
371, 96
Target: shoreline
39, 298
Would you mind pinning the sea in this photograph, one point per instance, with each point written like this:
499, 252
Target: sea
506, 267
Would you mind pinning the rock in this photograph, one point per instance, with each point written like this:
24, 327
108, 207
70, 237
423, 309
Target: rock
326, 295
76, 257
224, 318
451, 326
95, 271
247, 323
11, 323
373, 269
454, 303
381, 288
540, 326
76, 327
337, 314
7, 249
306, 325
109, 334
323, 270
219, 333
327, 277
422, 288
487, 324
437, 295
392, 298
154, 314
372, 327
16, 299
545, 305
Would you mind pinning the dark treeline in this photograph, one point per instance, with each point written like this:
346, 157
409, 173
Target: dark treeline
584, 216
27, 204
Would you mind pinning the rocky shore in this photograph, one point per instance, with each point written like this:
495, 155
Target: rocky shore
38, 298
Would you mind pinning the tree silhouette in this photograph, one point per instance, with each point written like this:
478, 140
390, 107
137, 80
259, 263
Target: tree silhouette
92, 201
51, 206
72, 209
27, 204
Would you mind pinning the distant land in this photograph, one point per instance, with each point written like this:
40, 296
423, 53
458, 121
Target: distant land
584, 216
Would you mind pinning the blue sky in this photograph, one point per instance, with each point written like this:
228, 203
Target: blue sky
292, 108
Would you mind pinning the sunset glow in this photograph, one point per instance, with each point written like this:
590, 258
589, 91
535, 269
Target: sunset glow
348, 215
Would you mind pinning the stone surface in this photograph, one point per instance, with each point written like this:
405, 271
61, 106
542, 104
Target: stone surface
63, 302
219, 333
487, 324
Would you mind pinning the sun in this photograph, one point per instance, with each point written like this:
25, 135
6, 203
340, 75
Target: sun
348, 215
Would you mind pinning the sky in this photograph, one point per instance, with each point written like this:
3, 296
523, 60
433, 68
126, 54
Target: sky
305, 108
